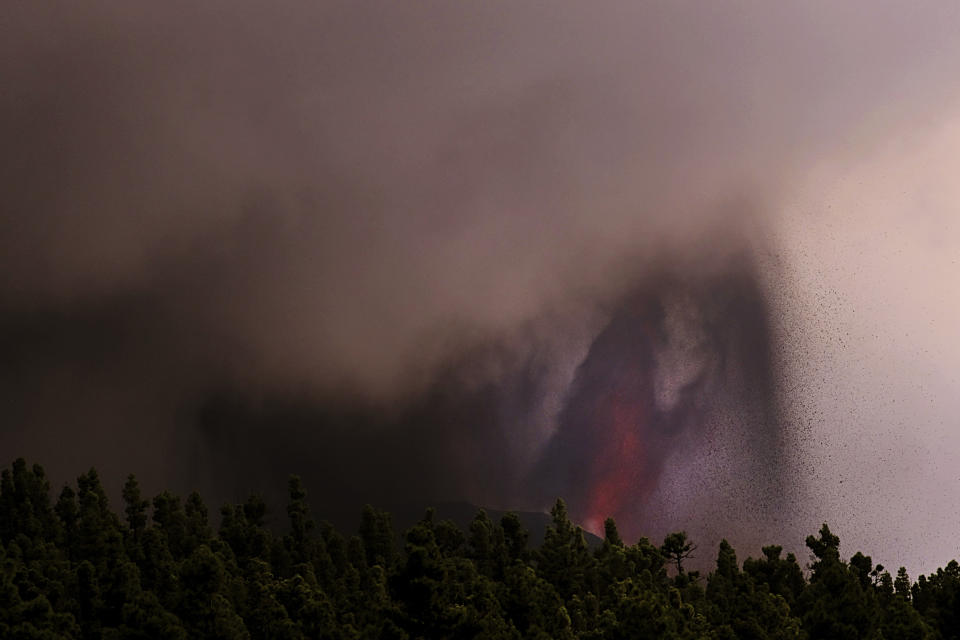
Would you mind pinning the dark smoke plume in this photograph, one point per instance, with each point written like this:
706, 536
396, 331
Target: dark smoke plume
675, 354
677, 350
413, 251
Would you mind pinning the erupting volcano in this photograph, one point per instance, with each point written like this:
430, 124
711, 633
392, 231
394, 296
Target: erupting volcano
673, 356
687, 265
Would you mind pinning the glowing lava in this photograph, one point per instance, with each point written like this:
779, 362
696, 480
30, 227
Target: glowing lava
605, 456
618, 462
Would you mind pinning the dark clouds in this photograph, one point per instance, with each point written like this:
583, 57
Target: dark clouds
406, 220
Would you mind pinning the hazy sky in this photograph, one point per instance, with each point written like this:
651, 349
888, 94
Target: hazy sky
339, 199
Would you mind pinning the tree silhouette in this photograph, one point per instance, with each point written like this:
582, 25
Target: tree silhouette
677, 548
74, 570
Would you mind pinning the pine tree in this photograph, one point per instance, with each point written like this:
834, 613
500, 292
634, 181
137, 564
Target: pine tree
677, 548
135, 507
836, 604
564, 559
376, 533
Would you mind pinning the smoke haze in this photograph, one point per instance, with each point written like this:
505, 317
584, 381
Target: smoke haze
415, 251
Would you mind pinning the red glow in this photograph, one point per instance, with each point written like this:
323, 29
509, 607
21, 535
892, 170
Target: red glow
620, 461
623, 473
614, 425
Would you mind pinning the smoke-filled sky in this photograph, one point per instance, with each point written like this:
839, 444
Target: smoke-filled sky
690, 264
